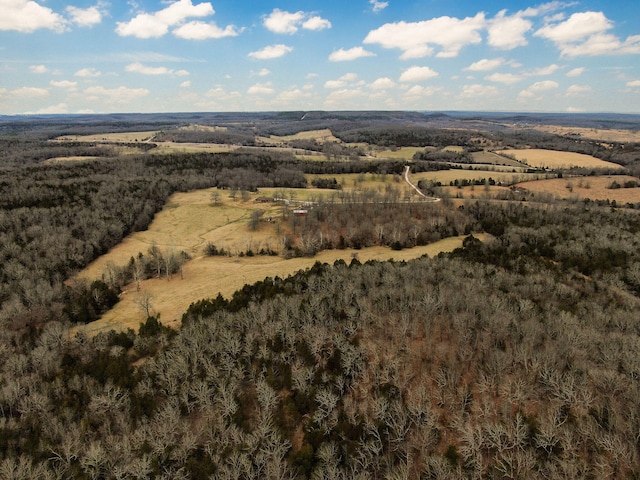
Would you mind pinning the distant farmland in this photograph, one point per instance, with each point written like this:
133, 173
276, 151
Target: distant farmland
538, 158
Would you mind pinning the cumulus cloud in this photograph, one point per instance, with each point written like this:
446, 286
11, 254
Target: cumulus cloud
478, 91
417, 39
115, 95
185, 84
576, 72
421, 91
417, 74
204, 31
154, 25
271, 51
85, 17
38, 69
538, 87
64, 84
578, 90
28, 16
382, 84
29, 92
341, 82
343, 55
486, 64
378, 6
508, 32
585, 33
506, 78
633, 83
52, 110
88, 72
147, 70
541, 71
261, 89
281, 21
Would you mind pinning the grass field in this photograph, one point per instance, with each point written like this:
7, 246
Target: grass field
552, 159
606, 135
205, 277
69, 159
404, 153
594, 188
447, 176
493, 159
124, 137
320, 136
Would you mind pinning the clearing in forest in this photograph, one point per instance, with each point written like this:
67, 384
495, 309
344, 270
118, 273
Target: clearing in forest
552, 159
320, 136
122, 137
205, 277
593, 188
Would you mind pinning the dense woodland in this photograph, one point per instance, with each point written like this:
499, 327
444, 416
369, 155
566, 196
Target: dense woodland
517, 357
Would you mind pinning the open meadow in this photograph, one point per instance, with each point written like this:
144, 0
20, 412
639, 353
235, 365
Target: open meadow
552, 159
593, 188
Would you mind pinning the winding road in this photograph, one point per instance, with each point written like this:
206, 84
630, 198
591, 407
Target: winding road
407, 170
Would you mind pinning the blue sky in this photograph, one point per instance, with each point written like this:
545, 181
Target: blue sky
262, 55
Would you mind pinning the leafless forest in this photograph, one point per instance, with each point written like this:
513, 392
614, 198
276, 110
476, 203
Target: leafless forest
517, 357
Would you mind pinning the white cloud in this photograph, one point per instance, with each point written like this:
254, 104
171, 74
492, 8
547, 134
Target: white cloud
115, 95
85, 17
64, 84
53, 110
417, 74
506, 78
633, 83
508, 32
88, 72
478, 91
29, 92
291, 96
576, 72
420, 91
415, 39
261, 73
204, 31
486, 64
185, 84
316, 24
382, 84
584, 33
281, 21
578, 90
38, 69
220, 93
271, 51
543, 70
378, 6
347, 97
538, 87
147, 70
343, 55
575, 110
28, 16
261, 89
341, 82
154, 25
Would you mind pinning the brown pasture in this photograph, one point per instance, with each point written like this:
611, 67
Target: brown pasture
539, 158
606, 135
205, 277
593, 188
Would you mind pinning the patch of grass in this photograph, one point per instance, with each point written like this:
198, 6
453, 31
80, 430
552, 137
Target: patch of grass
539, 158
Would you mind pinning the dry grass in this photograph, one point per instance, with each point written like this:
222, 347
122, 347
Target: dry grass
124, 137
70, 159
606, 135
203, 128
447, 176
205, 277
594, 188
403, 153
453, 148
493, 159
552, 159
320, 136
173, 147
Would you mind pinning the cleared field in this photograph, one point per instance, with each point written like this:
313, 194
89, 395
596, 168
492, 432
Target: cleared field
188, 222
453, 148
493, 159
403, 153
172, 147
552, 159
69, 159
606, 135
124, 137
203, 128
594, 188
320, 136
205, 277
447, 176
